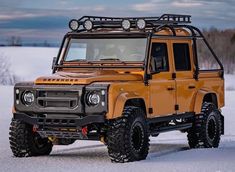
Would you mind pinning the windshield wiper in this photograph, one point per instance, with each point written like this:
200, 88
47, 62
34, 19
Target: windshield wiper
114, 59
76, 60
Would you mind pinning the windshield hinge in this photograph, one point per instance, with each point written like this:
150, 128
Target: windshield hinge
173, 75
177, 107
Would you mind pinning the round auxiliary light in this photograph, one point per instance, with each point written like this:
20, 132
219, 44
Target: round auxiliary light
28, 98
141, 24
93, 99
126, 24
73, 25
88, 25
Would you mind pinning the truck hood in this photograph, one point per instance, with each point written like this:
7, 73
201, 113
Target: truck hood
67, 78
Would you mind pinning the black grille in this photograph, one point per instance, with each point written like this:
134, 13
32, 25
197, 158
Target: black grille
52, 122
58, 99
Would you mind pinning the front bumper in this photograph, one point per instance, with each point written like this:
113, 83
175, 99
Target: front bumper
59, 122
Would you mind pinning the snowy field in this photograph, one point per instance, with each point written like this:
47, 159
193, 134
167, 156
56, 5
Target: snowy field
168, 152
29, 62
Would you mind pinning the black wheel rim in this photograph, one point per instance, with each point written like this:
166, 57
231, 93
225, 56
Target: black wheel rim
137, 136
39, 142
211, 128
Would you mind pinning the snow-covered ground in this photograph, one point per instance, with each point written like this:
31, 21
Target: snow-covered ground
168, 152
29, 62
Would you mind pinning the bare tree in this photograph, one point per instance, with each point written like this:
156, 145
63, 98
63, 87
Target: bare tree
14, 41
6, 76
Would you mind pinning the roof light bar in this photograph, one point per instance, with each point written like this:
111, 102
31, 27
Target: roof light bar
88, 25
141, 24
126, 24
74, 25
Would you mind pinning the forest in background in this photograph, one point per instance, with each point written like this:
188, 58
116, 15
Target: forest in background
222, 42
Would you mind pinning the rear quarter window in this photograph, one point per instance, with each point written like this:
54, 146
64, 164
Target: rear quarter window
181, 56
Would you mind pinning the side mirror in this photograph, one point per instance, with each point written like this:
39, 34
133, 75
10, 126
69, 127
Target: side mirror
53, 62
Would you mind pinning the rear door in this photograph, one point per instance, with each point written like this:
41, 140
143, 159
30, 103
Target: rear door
162, 86
185, 82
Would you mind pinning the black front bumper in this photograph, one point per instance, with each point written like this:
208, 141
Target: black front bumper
60, 121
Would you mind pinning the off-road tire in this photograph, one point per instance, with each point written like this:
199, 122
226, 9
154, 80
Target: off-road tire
25, 143
128, 136
206, 130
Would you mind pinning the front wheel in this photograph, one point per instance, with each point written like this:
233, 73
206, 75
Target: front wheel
24, 142
206, 130
128, 136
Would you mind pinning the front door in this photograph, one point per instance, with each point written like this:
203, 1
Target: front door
162, 86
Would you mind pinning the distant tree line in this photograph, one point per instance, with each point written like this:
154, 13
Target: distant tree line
223, 43
14, 41
17, 42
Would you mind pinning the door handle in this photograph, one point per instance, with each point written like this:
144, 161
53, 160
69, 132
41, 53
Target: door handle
191, 87
170, 88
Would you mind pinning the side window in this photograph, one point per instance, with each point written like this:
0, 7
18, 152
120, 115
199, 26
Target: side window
206, 60
159, 57
181, 56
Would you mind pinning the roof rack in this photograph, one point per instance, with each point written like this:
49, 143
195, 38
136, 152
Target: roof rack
164, 19
96, 22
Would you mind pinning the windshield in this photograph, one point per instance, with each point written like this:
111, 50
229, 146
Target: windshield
117, 49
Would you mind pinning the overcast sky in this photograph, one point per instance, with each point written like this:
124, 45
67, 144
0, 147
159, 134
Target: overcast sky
39, 20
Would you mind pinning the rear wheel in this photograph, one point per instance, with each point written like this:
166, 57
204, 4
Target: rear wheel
24, 142
206, 130
128, 137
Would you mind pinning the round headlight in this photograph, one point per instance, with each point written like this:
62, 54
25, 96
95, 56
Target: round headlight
141, 24
28, 97
93, 99
88, 25
74, 25
126, 24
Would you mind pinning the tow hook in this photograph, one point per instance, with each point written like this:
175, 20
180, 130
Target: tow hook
84, 131
54, 140
35, 128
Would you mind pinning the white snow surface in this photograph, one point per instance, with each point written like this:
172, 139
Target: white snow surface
29, 62
168, 151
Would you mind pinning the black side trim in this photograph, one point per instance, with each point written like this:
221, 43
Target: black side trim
60, 122
171, 128
171, 117
169, 123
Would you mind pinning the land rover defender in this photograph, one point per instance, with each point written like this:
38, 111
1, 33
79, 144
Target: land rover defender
120, 81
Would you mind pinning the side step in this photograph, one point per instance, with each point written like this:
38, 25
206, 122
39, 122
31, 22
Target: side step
186, 115
171, 128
